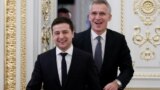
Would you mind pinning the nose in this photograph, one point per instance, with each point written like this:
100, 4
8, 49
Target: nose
61, 35
97, 16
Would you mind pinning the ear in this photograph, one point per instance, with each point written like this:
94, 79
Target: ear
110, 17
88, 17
73, 34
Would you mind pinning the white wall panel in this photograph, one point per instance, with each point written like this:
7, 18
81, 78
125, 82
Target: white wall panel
30, 37
1, 44
146, 68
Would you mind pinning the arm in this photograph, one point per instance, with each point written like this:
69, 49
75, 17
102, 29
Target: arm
125, 66
124, 63
36, 79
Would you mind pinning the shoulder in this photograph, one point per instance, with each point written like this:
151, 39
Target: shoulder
83, 33
81, 37
115, 33
47, 53
81, 52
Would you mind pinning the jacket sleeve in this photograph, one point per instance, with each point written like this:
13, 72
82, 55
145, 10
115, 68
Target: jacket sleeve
125, 66
36, 79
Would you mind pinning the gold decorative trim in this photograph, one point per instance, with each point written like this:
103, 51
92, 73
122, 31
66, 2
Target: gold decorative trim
23, 45
46, 33
147, 10
122, 16
140, 40
10, 45
149, 75
147, 54
156, 38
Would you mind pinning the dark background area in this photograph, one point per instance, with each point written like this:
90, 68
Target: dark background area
65, 1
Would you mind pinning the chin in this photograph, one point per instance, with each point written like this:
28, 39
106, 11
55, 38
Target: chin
98, 29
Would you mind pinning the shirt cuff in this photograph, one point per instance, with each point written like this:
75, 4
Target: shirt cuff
119, 83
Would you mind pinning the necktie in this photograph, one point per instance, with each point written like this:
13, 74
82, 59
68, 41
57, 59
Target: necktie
64, 68
98, 53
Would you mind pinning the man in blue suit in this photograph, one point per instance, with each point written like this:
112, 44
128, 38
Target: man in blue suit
113, 50
73, 71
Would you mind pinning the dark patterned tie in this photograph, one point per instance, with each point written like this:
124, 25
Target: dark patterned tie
98, 53
64, 68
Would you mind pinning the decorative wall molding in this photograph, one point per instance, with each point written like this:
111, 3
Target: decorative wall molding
147, 75
147, 10
23, 45
147, 40
10, 45
46, 32
147, 54
122, 16
141, 40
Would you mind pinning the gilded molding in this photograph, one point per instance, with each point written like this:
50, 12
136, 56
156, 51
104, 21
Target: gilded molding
122, 16
46, 32
10, 45
150, 75
147, 54
23, 45
140, 40
147, 10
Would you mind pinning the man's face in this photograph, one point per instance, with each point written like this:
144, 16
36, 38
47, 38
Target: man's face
99, 16
62, 36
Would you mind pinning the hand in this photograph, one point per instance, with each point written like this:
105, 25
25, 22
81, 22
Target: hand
111, 86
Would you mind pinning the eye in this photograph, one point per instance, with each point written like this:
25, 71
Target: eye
56, 33
65, 31
102, 13
93, 13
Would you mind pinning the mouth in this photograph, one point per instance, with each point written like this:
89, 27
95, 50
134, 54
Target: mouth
62, 41
98, 23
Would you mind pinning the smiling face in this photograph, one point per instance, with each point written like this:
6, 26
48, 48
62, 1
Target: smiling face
99, 16
62, 36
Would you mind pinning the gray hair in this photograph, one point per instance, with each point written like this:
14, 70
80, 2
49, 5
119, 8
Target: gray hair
101, 2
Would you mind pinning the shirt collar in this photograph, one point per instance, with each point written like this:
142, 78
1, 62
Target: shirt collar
68, 51
94, 35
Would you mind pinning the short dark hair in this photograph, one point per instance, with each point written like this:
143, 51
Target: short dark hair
64, 10
60, 20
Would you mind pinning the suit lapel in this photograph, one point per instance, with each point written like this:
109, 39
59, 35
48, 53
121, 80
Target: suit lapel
72, 65
87, 41
108, 45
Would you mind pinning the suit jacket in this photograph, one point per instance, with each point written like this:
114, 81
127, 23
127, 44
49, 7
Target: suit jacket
116, 56
82, 72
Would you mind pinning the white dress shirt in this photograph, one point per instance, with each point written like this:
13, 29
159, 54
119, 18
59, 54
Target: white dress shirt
68, 59
94, 42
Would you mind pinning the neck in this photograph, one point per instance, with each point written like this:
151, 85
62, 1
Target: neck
99, 32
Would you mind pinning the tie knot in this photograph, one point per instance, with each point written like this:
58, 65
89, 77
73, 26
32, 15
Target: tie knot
98, 38
63, 54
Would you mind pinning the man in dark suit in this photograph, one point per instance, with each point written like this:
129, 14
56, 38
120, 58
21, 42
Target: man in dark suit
113, 50
64, 67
